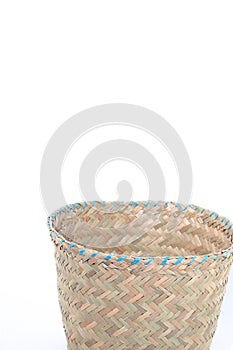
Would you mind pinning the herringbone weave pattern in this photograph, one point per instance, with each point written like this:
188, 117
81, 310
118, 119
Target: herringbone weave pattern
142, 275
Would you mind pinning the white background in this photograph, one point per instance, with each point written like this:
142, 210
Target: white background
60, 57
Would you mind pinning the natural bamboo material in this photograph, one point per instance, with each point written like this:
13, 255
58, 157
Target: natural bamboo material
140, 275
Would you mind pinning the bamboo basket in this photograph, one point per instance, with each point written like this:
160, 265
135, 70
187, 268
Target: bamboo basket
140, 275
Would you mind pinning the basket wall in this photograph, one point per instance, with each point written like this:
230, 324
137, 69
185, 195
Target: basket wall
111, 301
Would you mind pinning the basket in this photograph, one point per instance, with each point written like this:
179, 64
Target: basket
140, 275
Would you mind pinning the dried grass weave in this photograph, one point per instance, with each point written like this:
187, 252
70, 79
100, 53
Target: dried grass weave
140, 275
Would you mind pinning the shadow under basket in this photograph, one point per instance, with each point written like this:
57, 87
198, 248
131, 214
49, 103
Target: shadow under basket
140, 275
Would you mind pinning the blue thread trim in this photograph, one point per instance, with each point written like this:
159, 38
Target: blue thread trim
131, 203
103, 202
226, 253
155, 205
165, 260
113, 204
211, 214
108, 257
72, 245
56, 235
223, 219
84, 205
137, 203
136, 261
75, 205
121, 203
227, 223
178, 261
82, 251
177, 205
204, 259
166, 203
192, 260
93, 203
67, 208
231, 226
62, 240
149, 261
216, 217
122, 258
186, 207
147, 203
94, 254
203, 210
196, 208
217, 257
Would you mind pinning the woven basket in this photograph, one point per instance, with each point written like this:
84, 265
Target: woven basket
140, 275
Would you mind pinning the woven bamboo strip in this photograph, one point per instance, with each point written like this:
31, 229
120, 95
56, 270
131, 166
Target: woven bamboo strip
142, 275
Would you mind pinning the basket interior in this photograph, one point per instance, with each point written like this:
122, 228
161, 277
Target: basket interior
145, 230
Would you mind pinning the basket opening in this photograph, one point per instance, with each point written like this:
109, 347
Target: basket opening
145, 230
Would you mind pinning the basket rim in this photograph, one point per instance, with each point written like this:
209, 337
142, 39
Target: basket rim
133, 259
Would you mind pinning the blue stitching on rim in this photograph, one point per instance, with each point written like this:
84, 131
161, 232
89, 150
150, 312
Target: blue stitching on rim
108, 257
226, 253
155, 205
72, 245
123, 257
216, 257
147, 203
136, 261
82, 251
192, 260
149, 261
204, 259
178, 261
94, 254
75, 207
93, 203
165, 260
186, 207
